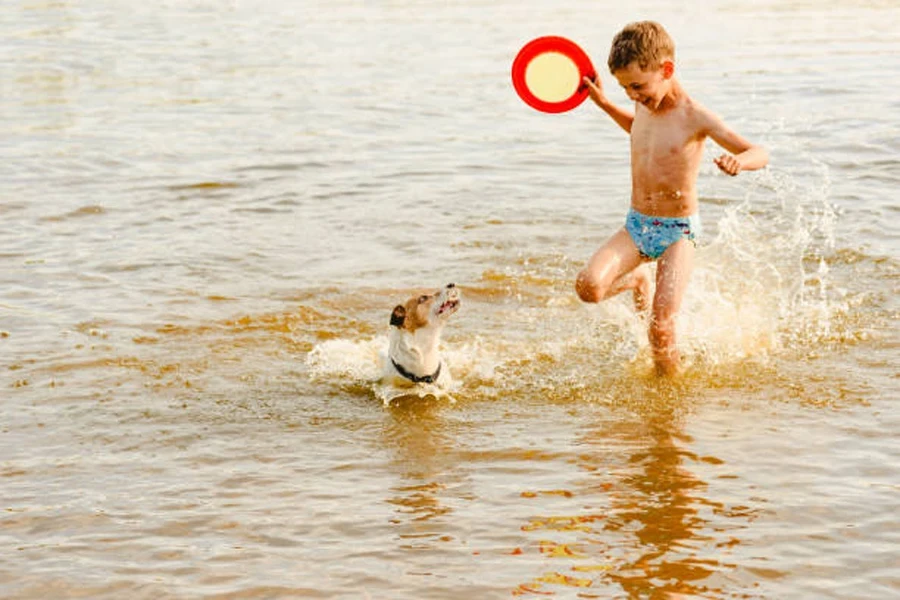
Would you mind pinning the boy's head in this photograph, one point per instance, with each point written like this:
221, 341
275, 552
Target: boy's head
645, 43
642, 59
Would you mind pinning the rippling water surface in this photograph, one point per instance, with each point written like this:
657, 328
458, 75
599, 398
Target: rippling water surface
209, 208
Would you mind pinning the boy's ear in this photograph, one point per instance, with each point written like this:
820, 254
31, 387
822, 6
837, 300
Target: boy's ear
668, 68
398, 316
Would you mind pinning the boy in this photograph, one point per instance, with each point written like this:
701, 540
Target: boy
667, 131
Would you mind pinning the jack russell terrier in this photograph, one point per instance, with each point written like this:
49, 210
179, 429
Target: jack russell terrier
413, 355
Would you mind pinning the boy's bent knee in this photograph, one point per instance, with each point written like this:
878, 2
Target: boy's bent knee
587, 289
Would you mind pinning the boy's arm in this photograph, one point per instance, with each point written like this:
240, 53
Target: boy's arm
621, 116
744, 155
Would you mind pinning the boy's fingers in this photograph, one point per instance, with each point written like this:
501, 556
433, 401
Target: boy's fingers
728, 164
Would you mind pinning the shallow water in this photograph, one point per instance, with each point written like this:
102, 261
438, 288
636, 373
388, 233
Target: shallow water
210, 209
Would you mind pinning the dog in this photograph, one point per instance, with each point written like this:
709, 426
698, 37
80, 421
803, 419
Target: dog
413, 356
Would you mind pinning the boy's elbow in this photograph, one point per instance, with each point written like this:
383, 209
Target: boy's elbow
759, 158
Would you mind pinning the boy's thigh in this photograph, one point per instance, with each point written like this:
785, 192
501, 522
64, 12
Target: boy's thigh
673, 272
617, 256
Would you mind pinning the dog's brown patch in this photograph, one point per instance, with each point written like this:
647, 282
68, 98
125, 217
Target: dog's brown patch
417, 311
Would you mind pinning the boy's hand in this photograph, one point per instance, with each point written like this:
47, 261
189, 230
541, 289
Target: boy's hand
728, 164
595, 90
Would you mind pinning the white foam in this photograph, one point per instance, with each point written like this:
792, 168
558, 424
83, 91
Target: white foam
358, 360
763, 280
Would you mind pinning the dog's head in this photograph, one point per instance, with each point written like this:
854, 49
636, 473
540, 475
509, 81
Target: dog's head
426, 309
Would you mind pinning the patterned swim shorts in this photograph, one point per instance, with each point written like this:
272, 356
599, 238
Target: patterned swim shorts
653, 235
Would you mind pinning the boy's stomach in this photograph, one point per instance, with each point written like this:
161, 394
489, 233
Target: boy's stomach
665, 202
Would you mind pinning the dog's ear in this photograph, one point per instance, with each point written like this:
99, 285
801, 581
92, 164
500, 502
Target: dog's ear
398, 316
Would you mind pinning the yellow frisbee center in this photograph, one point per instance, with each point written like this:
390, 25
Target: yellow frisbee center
552, 77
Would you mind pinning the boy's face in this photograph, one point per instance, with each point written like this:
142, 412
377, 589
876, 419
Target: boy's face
650, 86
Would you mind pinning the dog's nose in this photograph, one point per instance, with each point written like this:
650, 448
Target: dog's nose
451, 285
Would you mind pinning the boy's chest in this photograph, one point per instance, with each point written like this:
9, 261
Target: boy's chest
658, 136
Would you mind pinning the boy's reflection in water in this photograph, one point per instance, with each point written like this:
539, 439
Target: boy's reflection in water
648, 530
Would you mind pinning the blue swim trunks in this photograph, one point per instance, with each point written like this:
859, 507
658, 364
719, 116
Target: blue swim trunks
653, 235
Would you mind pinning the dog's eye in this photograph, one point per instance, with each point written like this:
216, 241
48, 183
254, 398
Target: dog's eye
423, 299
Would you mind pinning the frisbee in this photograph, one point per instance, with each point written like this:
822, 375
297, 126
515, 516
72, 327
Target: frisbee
548, 73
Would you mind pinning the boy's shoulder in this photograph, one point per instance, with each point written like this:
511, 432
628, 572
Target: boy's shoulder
694, 112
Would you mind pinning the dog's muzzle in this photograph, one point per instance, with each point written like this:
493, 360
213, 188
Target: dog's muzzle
451, 302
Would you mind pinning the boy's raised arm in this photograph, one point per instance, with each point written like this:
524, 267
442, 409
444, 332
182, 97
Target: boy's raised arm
621, 116
744, 155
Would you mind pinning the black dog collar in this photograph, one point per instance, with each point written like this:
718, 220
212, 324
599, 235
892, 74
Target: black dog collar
417, 378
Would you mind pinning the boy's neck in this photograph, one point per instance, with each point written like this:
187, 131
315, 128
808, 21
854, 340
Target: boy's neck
672, 97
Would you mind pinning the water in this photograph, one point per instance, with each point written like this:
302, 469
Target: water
210, 208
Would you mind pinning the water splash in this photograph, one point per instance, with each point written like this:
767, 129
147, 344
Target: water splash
762, 286
359, 365
763, 283
359, 361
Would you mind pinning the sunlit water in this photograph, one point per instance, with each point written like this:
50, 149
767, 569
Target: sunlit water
210, 208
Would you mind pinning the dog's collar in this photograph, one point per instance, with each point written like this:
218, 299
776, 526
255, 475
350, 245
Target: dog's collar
417, 378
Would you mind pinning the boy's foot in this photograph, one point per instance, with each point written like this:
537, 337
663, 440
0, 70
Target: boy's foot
641, 292
668, 367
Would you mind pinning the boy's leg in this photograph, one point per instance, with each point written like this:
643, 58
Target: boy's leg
672, 275
613, 269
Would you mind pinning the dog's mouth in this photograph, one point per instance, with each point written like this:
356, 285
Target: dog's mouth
448, 307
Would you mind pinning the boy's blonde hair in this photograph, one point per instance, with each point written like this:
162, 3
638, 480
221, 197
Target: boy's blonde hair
646, 43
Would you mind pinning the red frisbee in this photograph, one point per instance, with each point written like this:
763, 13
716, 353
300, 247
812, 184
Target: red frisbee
548, 74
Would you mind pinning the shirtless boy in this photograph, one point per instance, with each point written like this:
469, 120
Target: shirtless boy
667, 131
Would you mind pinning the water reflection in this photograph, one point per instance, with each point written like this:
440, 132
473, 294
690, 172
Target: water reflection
644, 523
663, 506
415, 432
